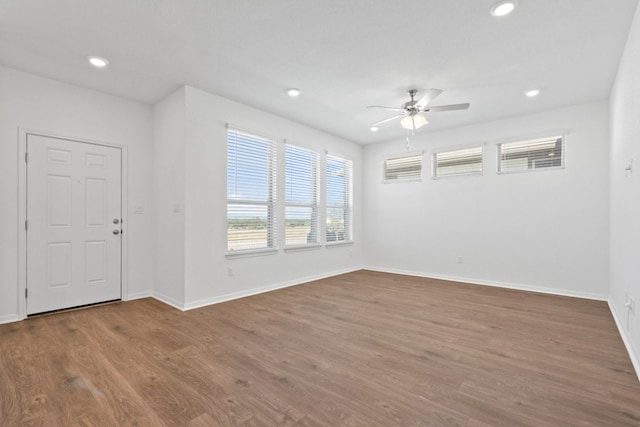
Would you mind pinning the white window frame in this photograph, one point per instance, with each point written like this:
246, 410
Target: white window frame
346, 206
434, 161
313, 204
533, 139
269, 203
399, 159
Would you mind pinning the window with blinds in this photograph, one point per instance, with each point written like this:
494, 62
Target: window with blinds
339, 189
531, 154
406, 168
301, 196
467, 161
251, 181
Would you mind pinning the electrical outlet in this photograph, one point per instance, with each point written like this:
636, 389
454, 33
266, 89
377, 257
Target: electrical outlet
229, 271
460, 260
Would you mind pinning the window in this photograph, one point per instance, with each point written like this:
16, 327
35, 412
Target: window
339, 199
467, 161
531, 154
405, 168
250, 192
301, 196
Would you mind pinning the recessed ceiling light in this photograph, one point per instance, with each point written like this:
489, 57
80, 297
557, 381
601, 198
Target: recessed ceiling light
503, 7
532, 93
97, 62
374, 128
293, 92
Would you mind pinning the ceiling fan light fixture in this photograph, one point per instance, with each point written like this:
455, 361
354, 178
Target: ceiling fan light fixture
503, 7
374, 128
97, 61
415, 121
293, 92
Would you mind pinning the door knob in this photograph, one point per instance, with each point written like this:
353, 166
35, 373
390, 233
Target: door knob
116, 221
116, 231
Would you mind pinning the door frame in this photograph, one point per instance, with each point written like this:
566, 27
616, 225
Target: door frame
23, 133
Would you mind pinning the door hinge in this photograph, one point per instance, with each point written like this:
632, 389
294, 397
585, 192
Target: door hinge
26, 292
26, 157
26, 225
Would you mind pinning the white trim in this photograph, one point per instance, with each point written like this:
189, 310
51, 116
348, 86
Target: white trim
22, 217
634, 354
338, 243
472, 281
169, 301
22, 211
248, 253
298, 248
9, 318
139, 295
255, 291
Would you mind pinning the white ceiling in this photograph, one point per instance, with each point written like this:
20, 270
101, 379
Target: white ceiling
342, 54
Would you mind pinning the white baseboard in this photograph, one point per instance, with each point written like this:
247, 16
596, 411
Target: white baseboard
138, 295
263, 289
9, 318
634, 354
169, 301
520, 287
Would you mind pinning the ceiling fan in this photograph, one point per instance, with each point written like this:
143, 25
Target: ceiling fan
411, 111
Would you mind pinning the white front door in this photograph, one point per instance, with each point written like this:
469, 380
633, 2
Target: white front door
74, 223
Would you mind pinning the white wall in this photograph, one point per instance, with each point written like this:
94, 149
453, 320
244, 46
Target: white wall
36, 103
542, 230
191, 168
169, 139
625, 192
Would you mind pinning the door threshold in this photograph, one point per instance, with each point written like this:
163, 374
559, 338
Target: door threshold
78, 307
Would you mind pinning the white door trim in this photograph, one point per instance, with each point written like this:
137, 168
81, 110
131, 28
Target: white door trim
22, 212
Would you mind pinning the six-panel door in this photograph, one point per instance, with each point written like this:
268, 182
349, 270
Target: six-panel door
74, 214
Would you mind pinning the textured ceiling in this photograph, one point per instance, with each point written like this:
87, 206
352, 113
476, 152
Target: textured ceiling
343, 55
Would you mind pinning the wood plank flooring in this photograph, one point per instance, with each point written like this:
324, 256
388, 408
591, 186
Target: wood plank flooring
360, 349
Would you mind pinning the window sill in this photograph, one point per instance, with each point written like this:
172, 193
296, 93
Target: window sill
399, 181
251, 253
341, 243
298, 248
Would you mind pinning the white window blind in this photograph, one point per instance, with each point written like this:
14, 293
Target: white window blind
531, 154
466, 161
339, 188
404, 168
301, 196
250, 191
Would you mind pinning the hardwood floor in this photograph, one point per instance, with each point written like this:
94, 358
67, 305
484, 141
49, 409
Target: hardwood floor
361, 349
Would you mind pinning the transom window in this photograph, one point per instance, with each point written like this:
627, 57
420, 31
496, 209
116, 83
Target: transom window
403, 168
531, 154
467, 161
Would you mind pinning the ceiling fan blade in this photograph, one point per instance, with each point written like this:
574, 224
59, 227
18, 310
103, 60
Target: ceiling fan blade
386, 108
387, 120
427, 98
451, 107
